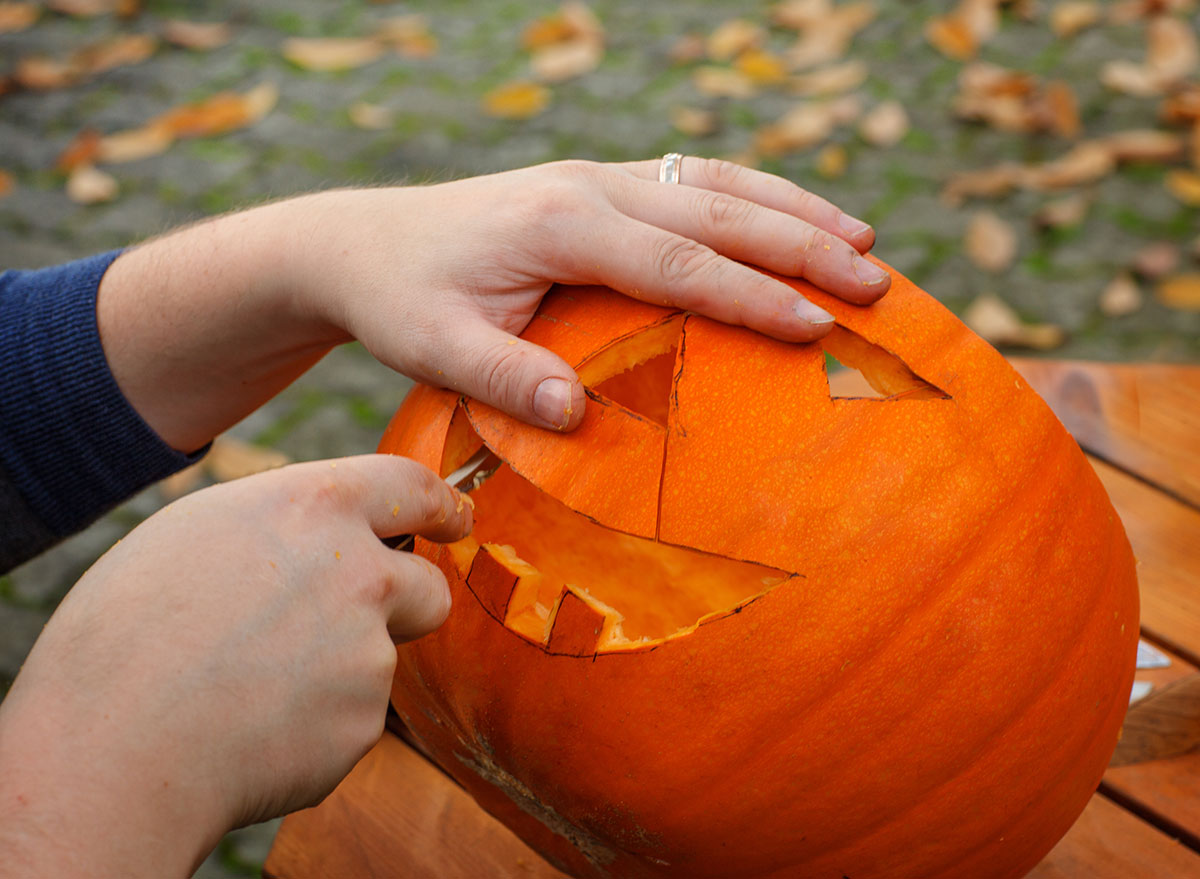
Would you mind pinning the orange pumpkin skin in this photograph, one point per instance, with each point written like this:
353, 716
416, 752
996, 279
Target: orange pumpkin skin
935, 694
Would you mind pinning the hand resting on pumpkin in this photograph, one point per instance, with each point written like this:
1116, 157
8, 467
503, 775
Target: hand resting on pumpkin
204, 325
227, 662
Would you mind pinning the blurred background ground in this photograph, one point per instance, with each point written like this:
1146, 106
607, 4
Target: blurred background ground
1081, 241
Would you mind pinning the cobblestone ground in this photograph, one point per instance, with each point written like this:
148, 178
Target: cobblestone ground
619, 112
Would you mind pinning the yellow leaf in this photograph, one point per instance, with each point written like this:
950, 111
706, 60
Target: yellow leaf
409, 35
516, 100
1180, 292
332, 53
1184, 185
89, 185
198, 36
16, 17
952, 38
832, 161
761, 67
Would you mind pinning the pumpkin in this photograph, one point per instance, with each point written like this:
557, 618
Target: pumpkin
736, 626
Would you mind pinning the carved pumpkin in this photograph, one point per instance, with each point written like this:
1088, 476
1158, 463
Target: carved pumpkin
735, 626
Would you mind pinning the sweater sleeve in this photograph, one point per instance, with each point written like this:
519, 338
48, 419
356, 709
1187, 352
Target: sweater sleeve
71, 445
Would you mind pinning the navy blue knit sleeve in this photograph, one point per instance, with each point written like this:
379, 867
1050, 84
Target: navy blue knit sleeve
71, 445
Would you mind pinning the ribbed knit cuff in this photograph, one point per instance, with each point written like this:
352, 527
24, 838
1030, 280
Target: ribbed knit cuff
69, 440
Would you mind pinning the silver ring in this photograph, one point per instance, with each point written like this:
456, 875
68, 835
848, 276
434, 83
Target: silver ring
668, 171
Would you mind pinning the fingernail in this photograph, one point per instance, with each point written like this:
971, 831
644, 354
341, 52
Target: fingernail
810, 313
851, 225
551, 401
867, 272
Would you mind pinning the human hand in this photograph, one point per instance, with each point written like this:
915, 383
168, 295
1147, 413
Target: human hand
436, 281
203, 326
227, 662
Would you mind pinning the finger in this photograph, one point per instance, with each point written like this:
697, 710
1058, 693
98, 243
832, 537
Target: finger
395, 495
665, 268
517, 377
767, 190
750, 232
416, 598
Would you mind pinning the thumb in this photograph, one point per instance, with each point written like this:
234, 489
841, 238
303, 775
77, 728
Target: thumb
517, 377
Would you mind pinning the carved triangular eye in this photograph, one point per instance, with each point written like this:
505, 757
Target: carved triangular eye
637, 372
887, 376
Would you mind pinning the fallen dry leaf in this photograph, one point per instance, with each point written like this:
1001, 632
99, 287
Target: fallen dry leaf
1171, 56
516, 100
803, 126
1121, 296
118, 51
230, 459
1144, 145
1063, 213
82, 8
563, 61
1126, 11
723, 82
370, 116
134, 144
996, 322
761, 66
573, 21
1058, 109
990, 242
984, 182
828, 37
1156, 260
328, 54
1073, 16
686, 49
1181, 292
42, 73
1184, 185
87, 184
199, 36
885, 125
1086, 162
800, 14
693, 122
16, 17
7, 184
731, 38
408, 35
954, 36
1011, 100
831, 80
832, 161
1182, 106
83, 149
222, 113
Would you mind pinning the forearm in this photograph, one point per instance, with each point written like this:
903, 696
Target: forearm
202, 326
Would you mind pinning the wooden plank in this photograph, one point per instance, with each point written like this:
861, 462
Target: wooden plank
396, 815
1163, 532
1144, 418
1108, 842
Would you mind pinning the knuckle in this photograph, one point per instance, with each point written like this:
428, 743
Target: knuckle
718, 211
500, 371
815, 245
720, 173
676, 258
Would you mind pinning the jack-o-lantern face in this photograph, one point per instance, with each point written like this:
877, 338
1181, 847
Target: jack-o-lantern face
736, 626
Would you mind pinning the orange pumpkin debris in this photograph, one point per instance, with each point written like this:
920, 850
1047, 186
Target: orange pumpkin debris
872, 637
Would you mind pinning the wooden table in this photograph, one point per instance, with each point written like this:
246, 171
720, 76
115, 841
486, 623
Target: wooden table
397, 815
